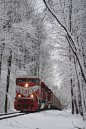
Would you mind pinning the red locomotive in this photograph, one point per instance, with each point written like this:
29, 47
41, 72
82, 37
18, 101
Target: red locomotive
33, 95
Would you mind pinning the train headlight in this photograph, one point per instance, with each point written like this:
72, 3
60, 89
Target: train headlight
19, 96
26, 85
32, 96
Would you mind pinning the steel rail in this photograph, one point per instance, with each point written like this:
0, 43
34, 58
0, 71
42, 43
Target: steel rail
5, 117
8, 113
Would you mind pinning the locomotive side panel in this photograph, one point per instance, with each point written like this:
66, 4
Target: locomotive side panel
46, 97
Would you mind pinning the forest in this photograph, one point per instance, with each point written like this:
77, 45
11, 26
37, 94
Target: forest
44, 38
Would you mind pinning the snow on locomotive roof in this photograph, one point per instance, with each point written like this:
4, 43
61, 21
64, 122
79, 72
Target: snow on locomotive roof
27, 76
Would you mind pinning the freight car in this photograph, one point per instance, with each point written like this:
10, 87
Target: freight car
34, 95
56, 103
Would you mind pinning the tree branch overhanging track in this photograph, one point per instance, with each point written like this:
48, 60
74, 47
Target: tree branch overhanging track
70, 39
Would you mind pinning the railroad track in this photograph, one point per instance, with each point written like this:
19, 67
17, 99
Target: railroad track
10, 115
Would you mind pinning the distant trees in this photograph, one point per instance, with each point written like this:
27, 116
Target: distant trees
70, 14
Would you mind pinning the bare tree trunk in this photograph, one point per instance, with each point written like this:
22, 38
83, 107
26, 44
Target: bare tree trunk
76, 107
71, 83
84, 60
79, 91
72, 95
71, 80
75, 101
9, 61
2, 47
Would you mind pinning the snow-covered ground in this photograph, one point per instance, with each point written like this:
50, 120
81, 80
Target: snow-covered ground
49, 119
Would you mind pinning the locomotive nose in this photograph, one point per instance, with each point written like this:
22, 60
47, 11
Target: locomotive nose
25, 105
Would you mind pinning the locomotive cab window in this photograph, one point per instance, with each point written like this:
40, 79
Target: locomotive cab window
19, 80
36, 81
43, 86
46, 90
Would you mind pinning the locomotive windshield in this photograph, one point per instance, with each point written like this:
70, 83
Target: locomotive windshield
21, 80
36, 81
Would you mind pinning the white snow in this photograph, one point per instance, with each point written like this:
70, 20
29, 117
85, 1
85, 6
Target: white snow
48, 119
